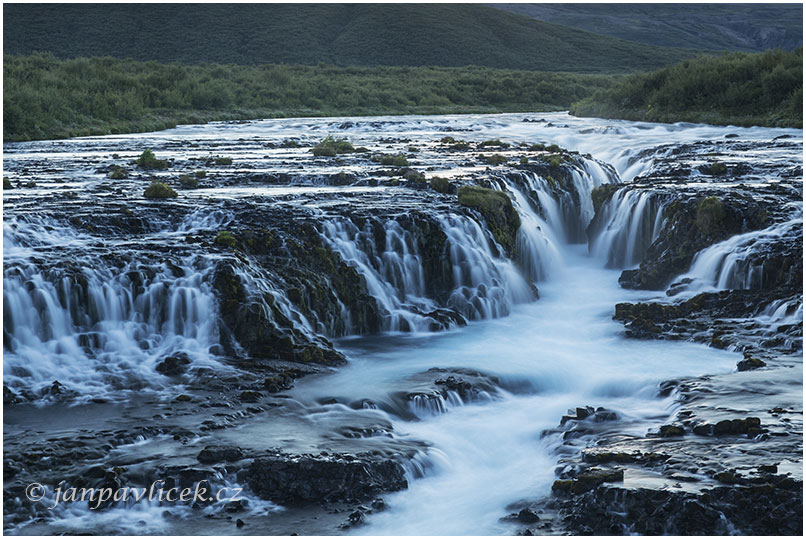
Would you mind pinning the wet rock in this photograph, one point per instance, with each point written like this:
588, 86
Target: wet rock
589, 479
527, 516
251, 396
173, 365
668, 431
216, 454
736, 426
750, 363
335, 478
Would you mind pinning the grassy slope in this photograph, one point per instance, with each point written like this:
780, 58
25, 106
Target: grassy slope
336, 34
47, 98
733, 27
736, 89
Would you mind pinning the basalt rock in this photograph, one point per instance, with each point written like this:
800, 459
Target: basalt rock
305, 479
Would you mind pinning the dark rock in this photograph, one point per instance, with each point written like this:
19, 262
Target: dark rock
214, 455
668, 431
527, 516
251, 396
173, 365
302, 479
750, 363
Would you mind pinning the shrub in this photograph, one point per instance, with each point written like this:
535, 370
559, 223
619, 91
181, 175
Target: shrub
330, 147
160, 190
718, 169
494, 142
440, 185
447, 140
395, 160
223, 160
118, 173
494, 159
7, 184
200, 174
414, 176
148, 160
225, 238
186, 180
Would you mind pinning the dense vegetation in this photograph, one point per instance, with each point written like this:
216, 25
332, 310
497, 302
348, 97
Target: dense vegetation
718, 27
736, 89
44, 97
335, 34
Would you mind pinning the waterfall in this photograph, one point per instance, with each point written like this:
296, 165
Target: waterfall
626, 226
738, 262
394, 276
485, 285
93, 322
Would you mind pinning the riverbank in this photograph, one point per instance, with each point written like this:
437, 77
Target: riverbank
48, 98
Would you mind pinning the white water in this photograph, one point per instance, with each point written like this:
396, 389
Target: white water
490, 454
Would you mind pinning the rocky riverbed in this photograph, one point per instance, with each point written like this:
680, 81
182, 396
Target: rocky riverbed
370, 334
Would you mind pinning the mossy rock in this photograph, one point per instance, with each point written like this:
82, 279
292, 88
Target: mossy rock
750, 363
495, 142
225, 238
118, 173
602, 194
331, 147
7, 184
148, 160
440, 185
160, 190
413, 176
188, 181
223, 160
710, 215
447, 140
494, 159
394, 160
497, 210
200, 174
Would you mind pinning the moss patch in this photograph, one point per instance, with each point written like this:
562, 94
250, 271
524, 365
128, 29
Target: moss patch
159, 190
331, 147
710, 215
148, 160
497, 210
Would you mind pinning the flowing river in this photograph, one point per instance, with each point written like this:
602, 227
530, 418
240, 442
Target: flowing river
148, 295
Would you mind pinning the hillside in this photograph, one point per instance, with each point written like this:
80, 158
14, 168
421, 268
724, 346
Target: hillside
719, 27
737, 89
336, 34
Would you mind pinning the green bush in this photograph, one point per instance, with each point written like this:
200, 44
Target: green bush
200, 174
734, 88
118, 173
413, 176
330, 147
188, 181
160, 190
494, 142
148, 160
223, 160
7, 184
494, 159
394, 160
440, 185
447, 140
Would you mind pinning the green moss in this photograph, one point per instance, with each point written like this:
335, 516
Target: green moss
118, 173
223, 160
440, 185
395, 160
718, 169
7, 184
461, 146
537, 147
554, 148
188, 181
289, 143
148, 160
200, 174
497, 210
602, 194
524, 160
159, 190
710, 215
494, 142
447, 140
414, 176
225, 238
330, 147
494, 159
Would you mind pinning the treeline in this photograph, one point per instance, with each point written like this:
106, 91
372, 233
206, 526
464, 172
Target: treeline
45, 97
763, 89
